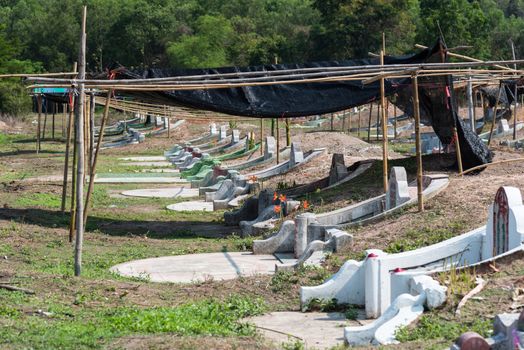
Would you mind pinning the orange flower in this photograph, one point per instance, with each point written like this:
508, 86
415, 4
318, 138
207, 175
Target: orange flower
282, 198
305, 204
278, 209
253, 178
275, 196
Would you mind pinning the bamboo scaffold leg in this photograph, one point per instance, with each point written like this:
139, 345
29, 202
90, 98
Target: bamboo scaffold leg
416, 112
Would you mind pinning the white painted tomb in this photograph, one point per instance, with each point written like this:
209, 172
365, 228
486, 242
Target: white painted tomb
394, 288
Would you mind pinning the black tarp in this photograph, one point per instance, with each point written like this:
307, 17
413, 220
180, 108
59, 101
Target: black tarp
305, 99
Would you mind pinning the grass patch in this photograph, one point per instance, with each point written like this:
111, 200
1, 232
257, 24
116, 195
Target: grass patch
45, 200
417, 238
432, 327
78, 328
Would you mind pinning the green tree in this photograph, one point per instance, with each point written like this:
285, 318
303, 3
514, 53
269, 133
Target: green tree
205, 48
352, 28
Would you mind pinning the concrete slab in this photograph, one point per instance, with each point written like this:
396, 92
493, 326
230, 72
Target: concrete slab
157, 164
199, 267
318, 330
171, 192
141, 180
144, 159
191, 206
161, 171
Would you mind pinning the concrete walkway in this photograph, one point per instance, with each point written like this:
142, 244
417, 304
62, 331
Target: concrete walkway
144, 159
198, 267
157, 164
191, 206
141, 180
172, 192
317, 330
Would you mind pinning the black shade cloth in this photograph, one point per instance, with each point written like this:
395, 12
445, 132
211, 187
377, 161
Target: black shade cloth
438, 105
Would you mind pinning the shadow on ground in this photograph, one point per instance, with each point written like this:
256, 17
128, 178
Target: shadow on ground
112, 227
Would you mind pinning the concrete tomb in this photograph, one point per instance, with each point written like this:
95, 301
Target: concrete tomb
395, 288
223, 132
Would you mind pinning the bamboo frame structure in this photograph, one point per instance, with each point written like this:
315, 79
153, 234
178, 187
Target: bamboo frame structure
416, 112
95, 157
385, 168
79, 221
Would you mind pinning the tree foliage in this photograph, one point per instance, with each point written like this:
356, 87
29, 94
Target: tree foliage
37, 34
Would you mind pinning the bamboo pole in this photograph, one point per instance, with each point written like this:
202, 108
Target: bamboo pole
72, 225
64, 118
91, 131
384, 129
39, 103
278, 141
380, 111
395, 121
95, 156
416, 112
482, 166
66, 161
494, 120
261, 136
369, 121
288, 133
53, 121
471, 107
515, 106
359, 121
68, 146
80, 145
45, 119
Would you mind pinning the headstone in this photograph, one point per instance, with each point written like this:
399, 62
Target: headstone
338, 169
270, 147
472, 341
502, 126
213, 129
296, 155
235, 138
504, 228
166, 122
398, 191
223, 132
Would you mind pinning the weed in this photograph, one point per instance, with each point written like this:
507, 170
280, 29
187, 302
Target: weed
432, 327
294, 344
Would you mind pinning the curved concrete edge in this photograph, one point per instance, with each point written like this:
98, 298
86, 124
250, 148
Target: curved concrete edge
283, 168
317, 251
405, 309
281, 242
247, 227
346, 286
357, 172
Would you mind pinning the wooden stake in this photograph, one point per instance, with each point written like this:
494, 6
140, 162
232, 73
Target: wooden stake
332, 121
384, 129
95, 157
39, 102
64, 118
80, 144
416, 112
278, 142
288, 133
